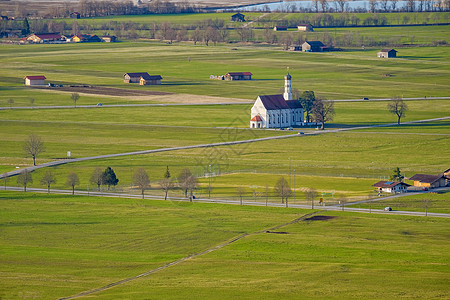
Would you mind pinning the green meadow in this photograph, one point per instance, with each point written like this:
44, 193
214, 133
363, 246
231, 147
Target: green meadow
55, 246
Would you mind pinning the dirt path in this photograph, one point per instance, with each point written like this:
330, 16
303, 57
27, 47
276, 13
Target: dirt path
117, 283
256, 20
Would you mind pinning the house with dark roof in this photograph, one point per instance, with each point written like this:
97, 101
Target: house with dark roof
238, 76
280, 28
313, 46
35, 80
387, 53
391, 186
238, 17
277, 111
429, 181
150, 80
75, 15
134, 77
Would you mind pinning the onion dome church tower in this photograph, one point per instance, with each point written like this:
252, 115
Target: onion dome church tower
287, 87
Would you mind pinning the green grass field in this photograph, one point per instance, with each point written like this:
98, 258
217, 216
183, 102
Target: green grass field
56, 246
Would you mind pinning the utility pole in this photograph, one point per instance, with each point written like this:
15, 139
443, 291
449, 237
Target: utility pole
131, 176
290, 172
209, 188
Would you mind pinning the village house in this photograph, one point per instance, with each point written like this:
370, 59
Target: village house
150, 80
429, 181
280, 28
447, 176
42, 38
387, 53
34, 80
391, 186
313, 46
238, 17
277, 111
305, 27
85, 38
295, 48
238, 76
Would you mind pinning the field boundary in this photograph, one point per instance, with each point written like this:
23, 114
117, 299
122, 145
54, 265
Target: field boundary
224, 244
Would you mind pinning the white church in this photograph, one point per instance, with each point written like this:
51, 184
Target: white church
277, 111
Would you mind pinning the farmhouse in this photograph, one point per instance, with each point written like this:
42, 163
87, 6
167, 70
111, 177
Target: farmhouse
387, 53
109, 38
313, 46
429, 181
391, 186
276, 111
238, 76
305, 27
41, 38
87, 38
447, 176
238, 17
280, 28
35, 80
295, 48
150, 80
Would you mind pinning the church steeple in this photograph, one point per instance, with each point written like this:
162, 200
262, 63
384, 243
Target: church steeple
287, 87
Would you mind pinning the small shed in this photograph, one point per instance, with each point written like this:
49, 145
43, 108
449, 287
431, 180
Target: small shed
387, 53
238, 76
150, 80
391, 186
305, 27
280, 28
313, 46
429, 181
75, 15
35, 80
238, 17
256, 122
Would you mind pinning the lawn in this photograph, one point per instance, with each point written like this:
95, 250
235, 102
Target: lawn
90, 242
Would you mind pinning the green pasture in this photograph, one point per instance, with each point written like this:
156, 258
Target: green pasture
432, 202
56, 246
352, 74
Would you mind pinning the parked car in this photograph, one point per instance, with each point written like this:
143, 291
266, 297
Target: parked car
425, 189
387, 208
99, 104
365, 98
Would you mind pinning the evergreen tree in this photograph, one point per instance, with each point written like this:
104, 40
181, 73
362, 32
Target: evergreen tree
26, 27
397, 176
109, 177
167, 174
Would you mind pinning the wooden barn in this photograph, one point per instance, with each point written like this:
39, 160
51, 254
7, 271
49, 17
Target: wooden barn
387, 53
280, 28
429, 181
238, 76
150, 80
305, 27
35, 80
313, 46
238, 17
134, 77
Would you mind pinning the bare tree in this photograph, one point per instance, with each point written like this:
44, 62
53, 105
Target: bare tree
310, 195
182, 180
324, 4
48, 179
75, 97
240, 192
33, 146
142, 180
283, 190
97, 177
24, 178
372, 5
342, 202
73, 180
10, 102
397, 107
191, 184
32, 102
323, 111
267, 193
196, 36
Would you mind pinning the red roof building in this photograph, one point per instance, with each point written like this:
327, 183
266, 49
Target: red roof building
391, 186
35, 80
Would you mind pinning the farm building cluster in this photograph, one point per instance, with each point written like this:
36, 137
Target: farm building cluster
234, 76
56, 38
421, 182
143, 78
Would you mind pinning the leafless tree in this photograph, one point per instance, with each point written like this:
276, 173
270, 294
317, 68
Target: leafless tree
166, 184
286, 40
385, 5
24, 179
394, 5
397, 107
141, 179
324, 4
196, 35
283, 190
97, 177
33, 146
269, 36
10, 102
240, 190
191, 184
267, 193
341, 4
323, 111
75, 97
310, 195
32, 102
73, 180
48, 179
75, 28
